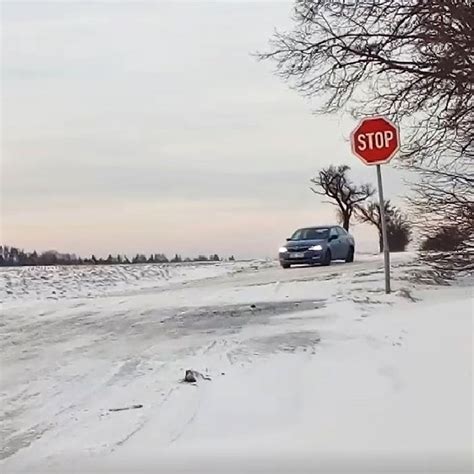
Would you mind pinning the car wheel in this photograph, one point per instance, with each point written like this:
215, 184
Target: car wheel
285, 265
327, 259
350, 255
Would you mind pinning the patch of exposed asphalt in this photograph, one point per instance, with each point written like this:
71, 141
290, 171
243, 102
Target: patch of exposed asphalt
233, 316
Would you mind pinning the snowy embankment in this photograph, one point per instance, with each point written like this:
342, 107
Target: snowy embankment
311, 368
60, 282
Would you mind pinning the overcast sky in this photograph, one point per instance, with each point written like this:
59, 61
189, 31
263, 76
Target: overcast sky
150, 127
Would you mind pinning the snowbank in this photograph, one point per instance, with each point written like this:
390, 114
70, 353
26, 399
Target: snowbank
59, 282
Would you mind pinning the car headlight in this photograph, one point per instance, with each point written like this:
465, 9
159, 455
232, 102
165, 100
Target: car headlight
282, 250
316, 247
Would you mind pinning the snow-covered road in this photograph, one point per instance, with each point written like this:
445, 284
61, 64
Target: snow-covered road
309, 367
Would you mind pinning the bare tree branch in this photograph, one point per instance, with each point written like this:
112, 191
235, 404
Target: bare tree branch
334, 183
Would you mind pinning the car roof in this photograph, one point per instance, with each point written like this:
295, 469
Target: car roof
319, 226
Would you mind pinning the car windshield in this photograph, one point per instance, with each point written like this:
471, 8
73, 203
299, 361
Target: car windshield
313, 233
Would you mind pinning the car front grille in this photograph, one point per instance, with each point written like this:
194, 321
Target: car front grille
298, 249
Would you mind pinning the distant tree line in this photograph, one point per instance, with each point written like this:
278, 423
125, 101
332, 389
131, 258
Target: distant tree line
13, 256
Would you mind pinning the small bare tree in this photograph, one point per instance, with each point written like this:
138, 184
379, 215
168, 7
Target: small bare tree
398, 227
334, 183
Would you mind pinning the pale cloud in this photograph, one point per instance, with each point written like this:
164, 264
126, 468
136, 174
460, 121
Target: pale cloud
129, 126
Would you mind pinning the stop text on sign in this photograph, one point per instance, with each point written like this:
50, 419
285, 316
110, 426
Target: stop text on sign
375, 140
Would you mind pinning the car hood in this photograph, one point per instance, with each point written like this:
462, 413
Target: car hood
304, 243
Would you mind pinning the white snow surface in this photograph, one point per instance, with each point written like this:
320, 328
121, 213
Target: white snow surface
59, 282
312, 370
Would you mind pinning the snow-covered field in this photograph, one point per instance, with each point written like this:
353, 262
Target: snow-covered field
54, 283
311, 369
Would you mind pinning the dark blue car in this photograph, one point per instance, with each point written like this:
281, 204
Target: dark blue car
321, 245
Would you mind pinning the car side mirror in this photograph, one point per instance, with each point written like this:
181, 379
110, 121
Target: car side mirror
332, 237
288, 239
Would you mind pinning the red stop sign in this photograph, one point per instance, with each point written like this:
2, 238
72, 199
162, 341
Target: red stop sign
375, 140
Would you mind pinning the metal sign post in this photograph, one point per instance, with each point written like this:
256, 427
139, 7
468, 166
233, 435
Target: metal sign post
386, 250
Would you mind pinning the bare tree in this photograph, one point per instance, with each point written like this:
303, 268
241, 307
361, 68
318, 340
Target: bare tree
334, 183
409, 60
398, 227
